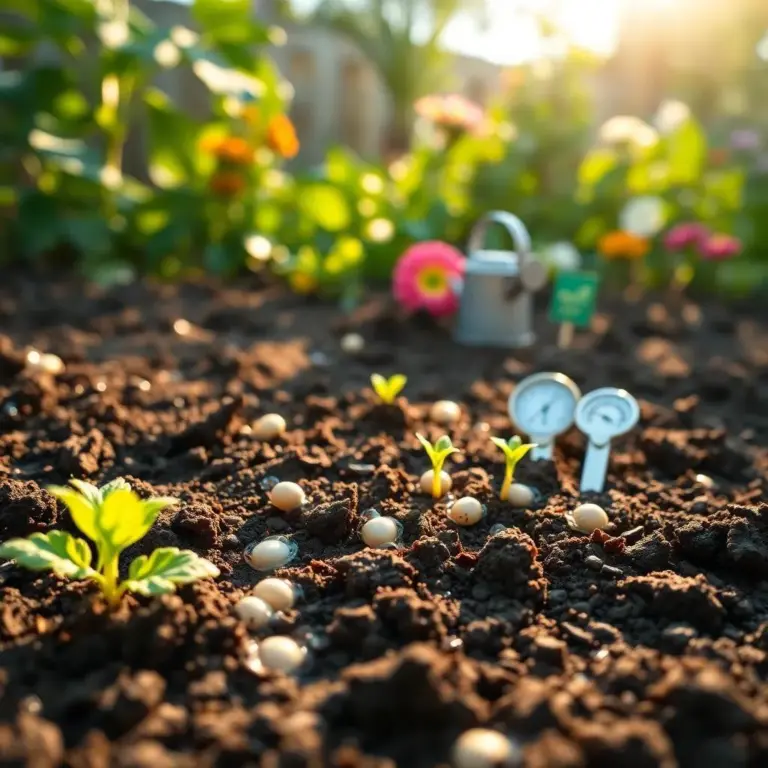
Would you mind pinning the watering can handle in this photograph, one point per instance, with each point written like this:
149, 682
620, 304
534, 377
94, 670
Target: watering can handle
511, 223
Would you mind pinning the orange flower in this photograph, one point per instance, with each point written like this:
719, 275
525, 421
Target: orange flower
623, 245
229, 149
227, 183
235, 150
281, 136
303, 283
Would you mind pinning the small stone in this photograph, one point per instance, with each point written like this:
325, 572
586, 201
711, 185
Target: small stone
10, 409
319, 359
466, 511
497, 528
587, 517
593, 562
277, 593
445, 412
483, 748
425, 482
270, 553
550, 650
281, 653
352, 343
269, 482
379, 531
362, 469
254, 611
287, 496
612, 571
269, 426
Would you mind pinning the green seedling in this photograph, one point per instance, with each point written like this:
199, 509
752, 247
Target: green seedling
514, 450
388, 389
437, 453
112, 517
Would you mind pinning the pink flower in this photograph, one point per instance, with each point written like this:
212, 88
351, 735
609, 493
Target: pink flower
745, 139
684, 236
425, 278
451, 111
720, 247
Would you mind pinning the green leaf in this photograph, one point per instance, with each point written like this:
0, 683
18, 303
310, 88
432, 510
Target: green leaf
91, 492
514, 449
444, 444
119, 483
56, 551
686, 150
84, 512
160, 572
326, 206
123, 519
427, 447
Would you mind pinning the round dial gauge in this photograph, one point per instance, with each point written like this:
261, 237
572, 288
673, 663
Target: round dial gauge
543, 405
606, 413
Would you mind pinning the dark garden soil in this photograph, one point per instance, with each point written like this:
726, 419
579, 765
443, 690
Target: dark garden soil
646, 647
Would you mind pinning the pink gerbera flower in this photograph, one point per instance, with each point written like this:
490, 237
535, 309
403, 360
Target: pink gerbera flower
686, 235
720, 247
425, 278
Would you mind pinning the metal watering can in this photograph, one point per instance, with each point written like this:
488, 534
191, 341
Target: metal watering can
496, 307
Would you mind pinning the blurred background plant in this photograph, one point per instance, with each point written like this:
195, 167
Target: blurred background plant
104, 165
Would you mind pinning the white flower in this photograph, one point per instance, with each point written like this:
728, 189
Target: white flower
624, 129
114, 34
258, 247
228, 81
643, 216
562, 256
167, 54
183, 37
671, 115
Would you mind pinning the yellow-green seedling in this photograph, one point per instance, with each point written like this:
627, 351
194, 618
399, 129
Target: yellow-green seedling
437, 453
113, 517
388, 389
514, 450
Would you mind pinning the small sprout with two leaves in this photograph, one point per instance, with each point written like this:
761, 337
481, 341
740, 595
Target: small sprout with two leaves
439, 481
112, 517
388, 389
514, 450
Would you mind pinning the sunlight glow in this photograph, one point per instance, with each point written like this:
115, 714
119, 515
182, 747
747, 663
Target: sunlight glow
513, 35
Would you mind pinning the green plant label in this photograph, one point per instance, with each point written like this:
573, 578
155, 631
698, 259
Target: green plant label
573, 298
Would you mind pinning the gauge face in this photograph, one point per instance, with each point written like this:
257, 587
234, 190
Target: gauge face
543, 404
607, 413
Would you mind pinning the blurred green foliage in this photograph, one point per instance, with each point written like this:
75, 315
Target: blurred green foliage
81, 80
